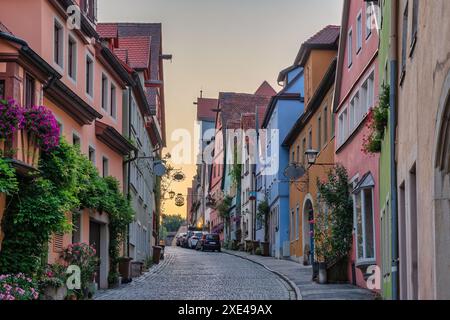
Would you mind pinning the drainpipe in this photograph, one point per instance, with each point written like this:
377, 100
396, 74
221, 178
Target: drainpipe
129, 165
392, 132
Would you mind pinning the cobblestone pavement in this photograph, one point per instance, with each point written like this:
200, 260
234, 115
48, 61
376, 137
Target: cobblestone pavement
187, 274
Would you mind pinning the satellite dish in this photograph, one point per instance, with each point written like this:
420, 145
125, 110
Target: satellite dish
294, 172
159, 169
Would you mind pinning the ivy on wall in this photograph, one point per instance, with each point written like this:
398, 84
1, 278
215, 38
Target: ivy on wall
67, 181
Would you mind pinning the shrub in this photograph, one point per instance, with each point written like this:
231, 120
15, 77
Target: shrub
53, 276
258, 251
41, 121
17, 287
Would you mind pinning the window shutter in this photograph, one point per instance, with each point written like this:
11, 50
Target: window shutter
58, 242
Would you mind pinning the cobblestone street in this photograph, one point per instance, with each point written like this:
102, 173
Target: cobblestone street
192, 275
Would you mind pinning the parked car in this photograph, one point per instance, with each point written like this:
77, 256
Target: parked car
209, 242
185, 242
180, 237
192, 242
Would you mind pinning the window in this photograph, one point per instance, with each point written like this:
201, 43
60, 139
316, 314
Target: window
298, 154
350, 49
364, 224
303, 151
343, 127
76, 141
292, 225
358, 33
415, 23
310, 144
369, 18
319, 133
113, 108
92, 154
58, 45
104, 93
105, 167
370, 92
29, 91
404, 37
72, 58
89, 76
89, 8
2, 89
297, 222
325, 125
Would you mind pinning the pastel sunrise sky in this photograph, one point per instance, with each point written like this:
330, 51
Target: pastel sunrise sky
221, 45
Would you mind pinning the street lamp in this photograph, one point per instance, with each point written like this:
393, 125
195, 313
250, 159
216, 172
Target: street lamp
311, 156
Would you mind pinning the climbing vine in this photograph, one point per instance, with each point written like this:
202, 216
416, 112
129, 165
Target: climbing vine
334, 221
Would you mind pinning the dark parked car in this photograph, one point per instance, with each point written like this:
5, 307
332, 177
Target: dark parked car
209, 242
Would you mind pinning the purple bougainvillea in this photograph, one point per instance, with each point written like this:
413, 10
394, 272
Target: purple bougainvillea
11, 118
43, 124
38, 120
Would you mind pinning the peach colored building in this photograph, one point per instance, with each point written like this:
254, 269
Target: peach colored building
85, 94
313, 130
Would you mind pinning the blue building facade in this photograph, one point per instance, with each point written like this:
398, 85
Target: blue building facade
284, 110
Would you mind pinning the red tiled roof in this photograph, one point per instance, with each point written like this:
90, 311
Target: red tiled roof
205, 108
233, 105
265, 89
107, 30
325, 39
122, 54
138, 48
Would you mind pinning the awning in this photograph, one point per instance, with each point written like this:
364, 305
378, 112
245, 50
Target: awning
366, 182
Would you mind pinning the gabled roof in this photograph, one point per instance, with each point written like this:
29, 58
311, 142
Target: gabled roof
205, 109
107, 30
325, 39
232, 104
265, 89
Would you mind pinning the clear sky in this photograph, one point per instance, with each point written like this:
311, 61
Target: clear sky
222, 45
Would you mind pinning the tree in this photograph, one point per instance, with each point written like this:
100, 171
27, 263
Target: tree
172, 222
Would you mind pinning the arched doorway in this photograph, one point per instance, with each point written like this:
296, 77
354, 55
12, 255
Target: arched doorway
441, 195
308, 228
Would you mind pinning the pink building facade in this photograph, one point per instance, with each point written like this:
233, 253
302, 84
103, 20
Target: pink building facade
85, 96
356, 93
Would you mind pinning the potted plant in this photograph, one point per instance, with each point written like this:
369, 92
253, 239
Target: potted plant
53, 283
83, 256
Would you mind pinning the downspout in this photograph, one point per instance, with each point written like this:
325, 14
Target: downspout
392, 138
128, 163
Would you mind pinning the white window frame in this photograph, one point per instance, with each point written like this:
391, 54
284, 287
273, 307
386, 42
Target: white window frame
104, 157
57, 21
72, 38
104, 92
113, 100
359, 33
350, 48
89, 56
365, 259
369, 17
92, 147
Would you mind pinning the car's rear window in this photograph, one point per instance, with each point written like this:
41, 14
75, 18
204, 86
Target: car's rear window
198, 234
212, 237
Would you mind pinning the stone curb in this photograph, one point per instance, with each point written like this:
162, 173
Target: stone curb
282, 276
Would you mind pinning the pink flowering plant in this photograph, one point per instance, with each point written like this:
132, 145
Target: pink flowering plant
83, 256
17, 287
41, 121
11, 118
53, 276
